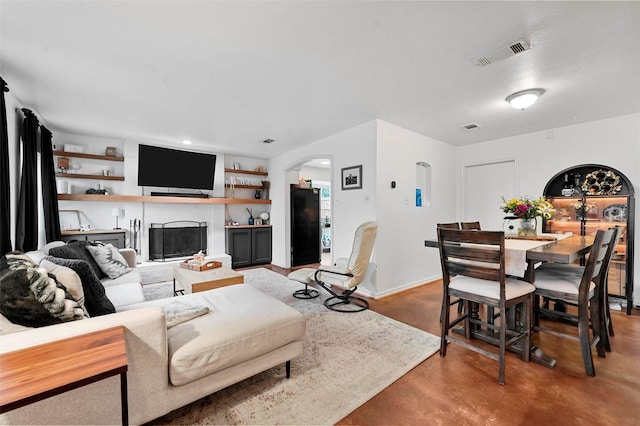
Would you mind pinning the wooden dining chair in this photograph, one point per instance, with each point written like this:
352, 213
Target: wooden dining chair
470, 225
473, 270
452, 225
580, 287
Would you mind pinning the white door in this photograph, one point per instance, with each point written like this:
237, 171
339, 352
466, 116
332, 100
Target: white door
483, 186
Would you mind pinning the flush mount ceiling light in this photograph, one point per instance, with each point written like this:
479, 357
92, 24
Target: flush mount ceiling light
186, 142
525, 98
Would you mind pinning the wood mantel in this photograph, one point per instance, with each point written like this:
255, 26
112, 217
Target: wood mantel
154, 199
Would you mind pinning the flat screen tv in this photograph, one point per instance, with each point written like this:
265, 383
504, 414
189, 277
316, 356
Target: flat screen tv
174, 168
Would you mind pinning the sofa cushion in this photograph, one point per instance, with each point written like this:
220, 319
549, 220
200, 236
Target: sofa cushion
31, 297
77, 250
109, 259
95, 299
133, 276
244, 323
124, 294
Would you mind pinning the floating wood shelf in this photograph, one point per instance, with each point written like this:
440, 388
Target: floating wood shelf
79, 176
88, 156
244, 186
153, 199
246, 172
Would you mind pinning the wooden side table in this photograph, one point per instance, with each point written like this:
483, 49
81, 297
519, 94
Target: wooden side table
195, 281
39, 372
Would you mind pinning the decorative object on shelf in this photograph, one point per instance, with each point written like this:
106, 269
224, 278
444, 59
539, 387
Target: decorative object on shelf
260, 169
265, 218
352, 177
265, 189
110, 151
615, 213
115, 212
236, 166
582, 209
73, 148
96, 191
257, 194
63, 164
527, 210
105, 172
251, 221
85, 228
601, 182
576, 184
69, 220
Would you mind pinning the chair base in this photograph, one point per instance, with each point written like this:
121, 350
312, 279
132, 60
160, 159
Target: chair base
306, 293
346, 304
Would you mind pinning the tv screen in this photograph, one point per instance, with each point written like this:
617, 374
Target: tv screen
173, 168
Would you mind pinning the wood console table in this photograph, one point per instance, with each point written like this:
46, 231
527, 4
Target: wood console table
39, 372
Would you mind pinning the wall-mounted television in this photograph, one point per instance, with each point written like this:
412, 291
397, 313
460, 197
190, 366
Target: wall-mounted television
173, 168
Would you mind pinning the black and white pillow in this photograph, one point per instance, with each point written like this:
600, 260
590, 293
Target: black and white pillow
109, 259
31, 297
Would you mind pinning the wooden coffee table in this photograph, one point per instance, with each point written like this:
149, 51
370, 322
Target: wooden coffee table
195, 281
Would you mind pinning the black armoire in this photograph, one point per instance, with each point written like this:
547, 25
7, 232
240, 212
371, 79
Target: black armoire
305, 226
590, 197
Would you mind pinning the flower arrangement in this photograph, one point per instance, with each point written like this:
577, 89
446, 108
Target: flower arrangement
526, 208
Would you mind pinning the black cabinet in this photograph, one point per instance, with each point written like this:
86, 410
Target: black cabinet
115, 237
590, 197
248, 245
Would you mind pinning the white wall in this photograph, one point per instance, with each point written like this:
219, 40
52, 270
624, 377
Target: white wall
98, 214
403, 260
613, 142
350, 208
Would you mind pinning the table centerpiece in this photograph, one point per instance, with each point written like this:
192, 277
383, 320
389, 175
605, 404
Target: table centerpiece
527, 209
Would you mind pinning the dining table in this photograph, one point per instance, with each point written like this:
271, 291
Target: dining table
523, 255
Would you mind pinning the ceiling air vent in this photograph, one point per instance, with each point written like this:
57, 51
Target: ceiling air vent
504, 52
471, 126
268, 141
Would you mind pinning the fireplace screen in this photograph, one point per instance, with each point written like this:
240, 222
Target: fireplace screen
177, 239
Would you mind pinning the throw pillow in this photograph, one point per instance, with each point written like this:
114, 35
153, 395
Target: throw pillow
77, 250
95, 298
31, 297
67, 277
109, 259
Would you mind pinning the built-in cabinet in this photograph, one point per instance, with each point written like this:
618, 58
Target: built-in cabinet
248, 245
590, 197
115, 237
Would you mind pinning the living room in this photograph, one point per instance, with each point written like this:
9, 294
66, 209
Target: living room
387, 137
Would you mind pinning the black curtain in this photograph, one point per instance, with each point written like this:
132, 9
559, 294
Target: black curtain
49, 190
5, 189
27, 214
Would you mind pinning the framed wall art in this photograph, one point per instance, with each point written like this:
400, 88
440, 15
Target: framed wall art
352, 177
69, 220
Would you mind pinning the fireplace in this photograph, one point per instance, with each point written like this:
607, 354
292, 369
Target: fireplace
177, 239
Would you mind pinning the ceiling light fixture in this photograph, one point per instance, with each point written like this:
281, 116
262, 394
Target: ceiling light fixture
525, 98
186, 142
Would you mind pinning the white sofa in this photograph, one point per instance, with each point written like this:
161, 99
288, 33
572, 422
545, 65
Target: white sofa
245, 332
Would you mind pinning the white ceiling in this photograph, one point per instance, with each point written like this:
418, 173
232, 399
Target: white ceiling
228, 75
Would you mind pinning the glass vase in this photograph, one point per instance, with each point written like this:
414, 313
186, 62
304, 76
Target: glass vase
528, 227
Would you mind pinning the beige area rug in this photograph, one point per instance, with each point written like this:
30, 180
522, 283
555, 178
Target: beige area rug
347, 359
